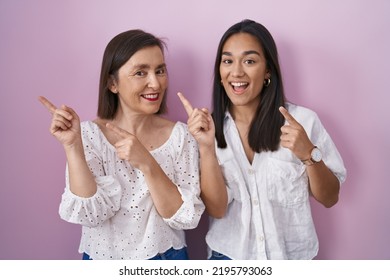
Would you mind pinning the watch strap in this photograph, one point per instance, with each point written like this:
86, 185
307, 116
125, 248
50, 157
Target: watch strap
310, 161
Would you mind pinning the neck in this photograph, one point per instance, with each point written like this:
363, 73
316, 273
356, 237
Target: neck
134, 123
243, 114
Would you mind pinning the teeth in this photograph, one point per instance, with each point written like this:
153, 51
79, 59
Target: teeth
239, 84
151, 96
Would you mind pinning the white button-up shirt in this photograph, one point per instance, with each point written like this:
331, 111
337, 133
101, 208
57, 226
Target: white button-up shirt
269, 215
120, 221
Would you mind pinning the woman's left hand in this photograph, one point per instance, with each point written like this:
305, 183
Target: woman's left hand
294, 136
129, 148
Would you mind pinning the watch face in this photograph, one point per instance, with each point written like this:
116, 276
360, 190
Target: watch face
316, 155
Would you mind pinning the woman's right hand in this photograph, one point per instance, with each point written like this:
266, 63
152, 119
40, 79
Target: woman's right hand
212, 184
200, 124
65, 124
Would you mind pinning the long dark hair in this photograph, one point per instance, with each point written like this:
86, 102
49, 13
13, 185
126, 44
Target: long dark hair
264, 132
117, 53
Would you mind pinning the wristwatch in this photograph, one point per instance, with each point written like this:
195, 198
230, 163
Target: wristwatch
315, 156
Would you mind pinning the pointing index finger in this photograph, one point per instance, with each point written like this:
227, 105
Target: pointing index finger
121, 132
187, 105
289, 118
47, 104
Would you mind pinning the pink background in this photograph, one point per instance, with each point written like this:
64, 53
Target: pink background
335, 60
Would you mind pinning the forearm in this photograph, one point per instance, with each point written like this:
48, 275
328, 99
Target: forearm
213, 188
165, 195
324, 185
81, 181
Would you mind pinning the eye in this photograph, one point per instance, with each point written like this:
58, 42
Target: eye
140, 73
249, 61
161, 71
226, 61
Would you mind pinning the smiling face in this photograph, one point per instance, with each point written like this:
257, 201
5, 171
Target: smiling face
141, 82
243, 70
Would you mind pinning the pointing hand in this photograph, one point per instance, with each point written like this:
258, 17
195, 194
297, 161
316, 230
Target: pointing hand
200, 123
294, 136
65, 124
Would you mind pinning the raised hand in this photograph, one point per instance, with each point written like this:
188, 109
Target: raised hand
200, 123
129, 148
294, 136
65, 124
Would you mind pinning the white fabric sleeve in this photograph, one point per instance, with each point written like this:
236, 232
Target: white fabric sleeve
186, 168
92, 211
330, 154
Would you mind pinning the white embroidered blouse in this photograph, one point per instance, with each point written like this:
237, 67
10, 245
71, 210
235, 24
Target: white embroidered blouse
120, 220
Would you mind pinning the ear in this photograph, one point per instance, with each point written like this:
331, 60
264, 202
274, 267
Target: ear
268, 74
112, 85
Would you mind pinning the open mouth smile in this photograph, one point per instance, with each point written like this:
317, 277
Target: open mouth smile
239, 87
150, 97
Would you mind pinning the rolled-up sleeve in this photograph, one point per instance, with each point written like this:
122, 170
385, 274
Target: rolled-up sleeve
186, 168
94, 210
331, 156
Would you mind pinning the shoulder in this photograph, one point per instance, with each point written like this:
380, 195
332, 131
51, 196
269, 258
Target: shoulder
308, 119
300, 112
89, 127
180, 130
181, 127
91, 133
180, 134
305, 116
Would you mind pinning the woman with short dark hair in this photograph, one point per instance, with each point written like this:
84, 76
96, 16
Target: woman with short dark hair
132, 176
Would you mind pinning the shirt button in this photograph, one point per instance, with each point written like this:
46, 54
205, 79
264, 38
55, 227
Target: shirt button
251, 171
256, 202
261, 238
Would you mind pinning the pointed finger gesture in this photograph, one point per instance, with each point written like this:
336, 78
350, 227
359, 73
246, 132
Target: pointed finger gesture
65, 124
200, 123
129, 148
294, 136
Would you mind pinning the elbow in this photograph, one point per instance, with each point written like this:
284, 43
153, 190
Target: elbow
216, 207
331, 201
217, 213
329, 196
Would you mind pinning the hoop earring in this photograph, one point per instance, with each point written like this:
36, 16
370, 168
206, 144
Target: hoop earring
267, 82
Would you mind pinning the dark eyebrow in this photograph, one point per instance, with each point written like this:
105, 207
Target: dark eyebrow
244, 53
147, 66
251, 52
141, 66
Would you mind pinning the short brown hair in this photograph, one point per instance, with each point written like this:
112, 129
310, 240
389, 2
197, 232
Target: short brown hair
117, 53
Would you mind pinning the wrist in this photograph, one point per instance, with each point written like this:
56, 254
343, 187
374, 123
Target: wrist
205, 150
315, 157
75, 147
148, 167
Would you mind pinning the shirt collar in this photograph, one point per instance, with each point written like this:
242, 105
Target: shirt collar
228, 119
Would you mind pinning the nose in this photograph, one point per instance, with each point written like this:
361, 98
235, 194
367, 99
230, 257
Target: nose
237, 70
153, 82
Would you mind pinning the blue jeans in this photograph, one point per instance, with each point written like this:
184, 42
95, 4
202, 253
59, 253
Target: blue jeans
218, 256
170, 254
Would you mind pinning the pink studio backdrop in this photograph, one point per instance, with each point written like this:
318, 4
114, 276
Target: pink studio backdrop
335, 60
